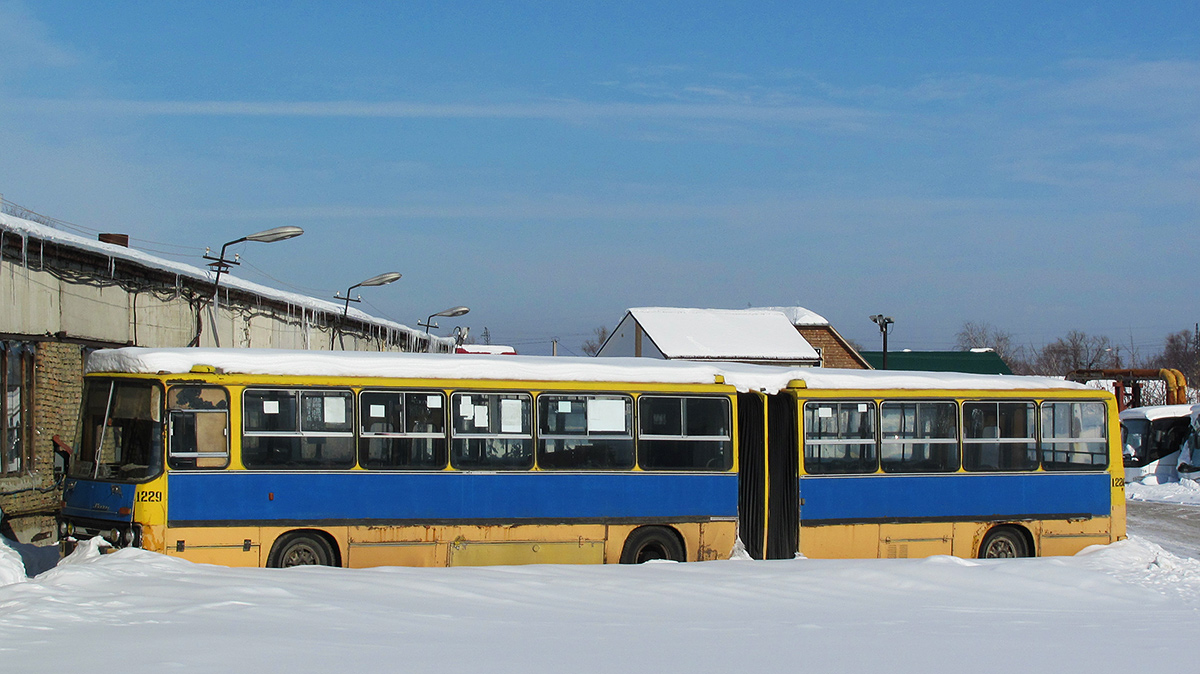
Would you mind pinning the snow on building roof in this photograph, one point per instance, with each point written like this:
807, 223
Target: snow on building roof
715, 334
799, 316
492, 349
28, 229
742, 376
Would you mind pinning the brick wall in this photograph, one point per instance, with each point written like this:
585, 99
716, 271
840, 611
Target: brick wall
834, 353
58, 384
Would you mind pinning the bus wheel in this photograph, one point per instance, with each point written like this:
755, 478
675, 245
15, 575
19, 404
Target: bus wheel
650, 543
1003, 543
300, 549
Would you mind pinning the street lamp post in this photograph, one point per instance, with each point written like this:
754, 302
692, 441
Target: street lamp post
884, 323
380, 280
221, 265
448, 313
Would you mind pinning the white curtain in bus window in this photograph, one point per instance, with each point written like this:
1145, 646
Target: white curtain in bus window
918, 437
492, 431
999, 436
402, 430
1074, 436
585, 432
839, 437
684, 433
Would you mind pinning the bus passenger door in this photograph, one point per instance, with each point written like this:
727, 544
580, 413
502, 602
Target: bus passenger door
783, 470
752, 477
768, 476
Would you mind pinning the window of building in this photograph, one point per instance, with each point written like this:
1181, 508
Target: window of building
999, 436
402, 429
1074, 436
839, 437
297, 429
591, 431
198, 418
16, 435
492, 431
918, 437
684, 433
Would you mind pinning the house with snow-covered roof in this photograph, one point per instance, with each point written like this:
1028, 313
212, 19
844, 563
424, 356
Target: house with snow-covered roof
63, 295
764, 337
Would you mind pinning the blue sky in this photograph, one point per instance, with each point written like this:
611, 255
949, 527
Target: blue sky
1033, 165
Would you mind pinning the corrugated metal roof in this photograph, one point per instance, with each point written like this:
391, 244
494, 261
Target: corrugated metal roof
983, 362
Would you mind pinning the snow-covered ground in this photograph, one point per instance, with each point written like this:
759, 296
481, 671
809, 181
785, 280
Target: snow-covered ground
1184, 491
1113, 609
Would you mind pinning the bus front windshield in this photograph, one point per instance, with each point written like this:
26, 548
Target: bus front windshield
1134, 434
120, 431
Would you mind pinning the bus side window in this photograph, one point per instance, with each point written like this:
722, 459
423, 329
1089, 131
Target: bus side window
585, 431
402, 430
839, 437
492, 431
297, 429
684, 433
999, 436
1074, 436
919, 436
199, 427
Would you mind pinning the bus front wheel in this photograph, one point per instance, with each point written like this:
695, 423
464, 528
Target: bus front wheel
301, 549
1003, 543
650, 543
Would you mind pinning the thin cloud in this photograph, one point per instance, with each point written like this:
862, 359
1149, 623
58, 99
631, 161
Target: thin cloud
554, 110
25, 42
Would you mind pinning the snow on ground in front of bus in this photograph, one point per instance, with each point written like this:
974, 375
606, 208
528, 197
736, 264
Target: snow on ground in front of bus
1101, 611
1186, 492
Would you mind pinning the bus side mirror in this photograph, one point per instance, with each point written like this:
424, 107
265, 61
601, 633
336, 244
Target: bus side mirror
62, 457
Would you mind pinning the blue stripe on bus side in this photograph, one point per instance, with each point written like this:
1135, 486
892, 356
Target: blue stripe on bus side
886, 497
234, 496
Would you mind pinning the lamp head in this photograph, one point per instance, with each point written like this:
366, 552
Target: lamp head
276, 234
450, 313
382, 279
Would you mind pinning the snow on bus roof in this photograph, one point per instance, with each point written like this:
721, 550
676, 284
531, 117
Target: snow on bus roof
744, 377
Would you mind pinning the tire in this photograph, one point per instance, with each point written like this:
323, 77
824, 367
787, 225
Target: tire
649, 543
1004, 543
301, 549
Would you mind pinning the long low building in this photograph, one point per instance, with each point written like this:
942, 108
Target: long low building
64, 295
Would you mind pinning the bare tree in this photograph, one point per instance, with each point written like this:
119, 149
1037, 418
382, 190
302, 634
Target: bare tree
1181, 351
975, 335
1077, 351
592, 346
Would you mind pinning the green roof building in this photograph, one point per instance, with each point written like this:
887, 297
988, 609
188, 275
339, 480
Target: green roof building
974, 362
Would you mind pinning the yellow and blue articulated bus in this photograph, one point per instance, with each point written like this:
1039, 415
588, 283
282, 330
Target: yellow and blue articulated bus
282, 458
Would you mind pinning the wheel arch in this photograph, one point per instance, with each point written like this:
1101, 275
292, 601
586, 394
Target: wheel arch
284, 536
664, 529
1021, 529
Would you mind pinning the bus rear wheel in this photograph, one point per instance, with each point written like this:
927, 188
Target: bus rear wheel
300, 549
1003, 543
650, 543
